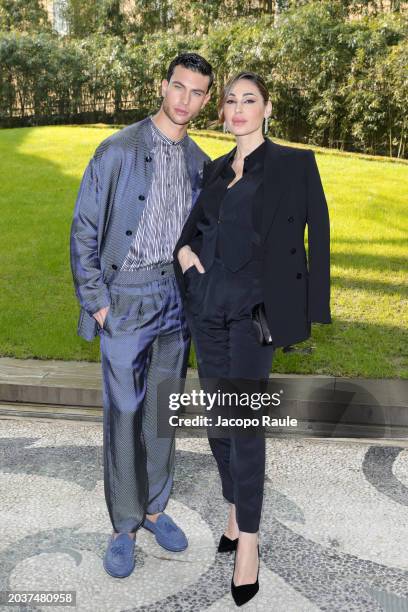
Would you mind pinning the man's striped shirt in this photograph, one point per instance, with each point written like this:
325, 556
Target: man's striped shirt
167, 206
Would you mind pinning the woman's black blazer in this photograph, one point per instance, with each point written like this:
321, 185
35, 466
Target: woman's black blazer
296, 289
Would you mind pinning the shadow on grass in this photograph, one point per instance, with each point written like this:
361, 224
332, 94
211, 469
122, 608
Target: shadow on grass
380, 241
366, 261
369, 285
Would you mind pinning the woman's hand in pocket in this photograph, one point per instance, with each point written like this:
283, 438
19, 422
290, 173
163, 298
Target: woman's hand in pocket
187, 258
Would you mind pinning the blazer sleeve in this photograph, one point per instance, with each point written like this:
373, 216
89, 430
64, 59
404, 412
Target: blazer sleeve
90, 289
186, 237
318, 245
189, 234
196, 238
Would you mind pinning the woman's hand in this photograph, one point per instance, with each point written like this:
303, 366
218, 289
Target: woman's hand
188, 258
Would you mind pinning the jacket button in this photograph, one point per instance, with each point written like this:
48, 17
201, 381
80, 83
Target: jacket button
299, 275
148, 158
291, 219
128, 232
141, 197
292, 251
114, 266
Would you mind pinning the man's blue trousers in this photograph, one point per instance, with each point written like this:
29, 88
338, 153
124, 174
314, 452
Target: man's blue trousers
144, 341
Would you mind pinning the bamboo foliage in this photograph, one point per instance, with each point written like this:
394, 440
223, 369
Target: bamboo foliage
335, 80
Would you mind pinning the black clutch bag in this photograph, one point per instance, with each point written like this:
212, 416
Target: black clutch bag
261, 324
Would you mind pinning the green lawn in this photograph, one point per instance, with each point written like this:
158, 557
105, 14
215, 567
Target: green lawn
40, 172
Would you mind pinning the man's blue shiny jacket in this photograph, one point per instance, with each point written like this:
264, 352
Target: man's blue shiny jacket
111, 198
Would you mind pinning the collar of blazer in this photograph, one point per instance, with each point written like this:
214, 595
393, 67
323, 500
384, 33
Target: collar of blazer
274, 182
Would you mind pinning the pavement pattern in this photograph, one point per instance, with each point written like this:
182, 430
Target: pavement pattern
334, 531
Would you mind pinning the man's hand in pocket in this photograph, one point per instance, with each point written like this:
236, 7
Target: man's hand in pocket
100, 316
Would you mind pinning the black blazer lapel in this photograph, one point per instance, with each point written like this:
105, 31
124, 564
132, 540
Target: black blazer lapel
274, 183
214, 168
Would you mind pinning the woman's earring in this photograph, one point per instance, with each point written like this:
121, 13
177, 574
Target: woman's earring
266, 125
224, 127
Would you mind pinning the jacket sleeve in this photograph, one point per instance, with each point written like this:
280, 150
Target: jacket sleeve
196, 237
186, 237
318, 245
90, 289
189, 235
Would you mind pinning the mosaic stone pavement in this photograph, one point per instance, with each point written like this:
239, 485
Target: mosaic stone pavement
334, 528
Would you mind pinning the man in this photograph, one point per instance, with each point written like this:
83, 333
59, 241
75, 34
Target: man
134, 197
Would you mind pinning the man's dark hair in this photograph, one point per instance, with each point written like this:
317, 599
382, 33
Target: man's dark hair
194, 62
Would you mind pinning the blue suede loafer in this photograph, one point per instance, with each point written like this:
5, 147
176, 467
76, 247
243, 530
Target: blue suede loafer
119, 560
167, 533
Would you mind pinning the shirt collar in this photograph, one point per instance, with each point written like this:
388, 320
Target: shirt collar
251, 161
159, 134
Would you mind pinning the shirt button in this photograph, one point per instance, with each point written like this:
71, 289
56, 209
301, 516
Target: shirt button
128, 232
114, 266
141, 197
299, 275
292, 250
148, 158
291, 219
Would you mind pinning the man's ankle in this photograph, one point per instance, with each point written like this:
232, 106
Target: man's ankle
153, 517
131, 534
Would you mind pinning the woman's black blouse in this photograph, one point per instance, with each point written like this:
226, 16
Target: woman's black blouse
229, 228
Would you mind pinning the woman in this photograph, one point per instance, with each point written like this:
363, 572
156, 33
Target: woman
243, 245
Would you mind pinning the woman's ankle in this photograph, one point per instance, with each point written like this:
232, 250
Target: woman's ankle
232, 535
247, 538
232, 530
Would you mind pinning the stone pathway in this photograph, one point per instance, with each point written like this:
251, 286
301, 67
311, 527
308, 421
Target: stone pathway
334, 532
